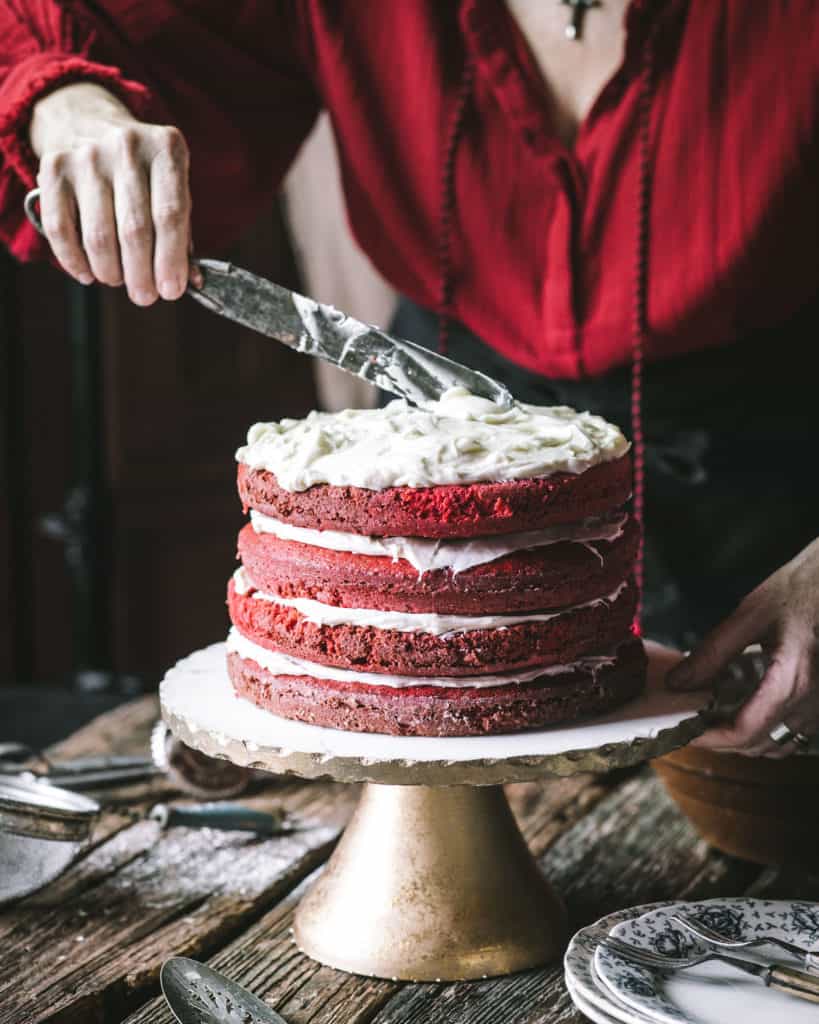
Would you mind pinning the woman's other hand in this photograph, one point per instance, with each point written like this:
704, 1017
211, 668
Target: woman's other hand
782, 615
115, 202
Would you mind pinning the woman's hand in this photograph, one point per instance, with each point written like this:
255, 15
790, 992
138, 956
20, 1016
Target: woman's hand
115, 203
782, 614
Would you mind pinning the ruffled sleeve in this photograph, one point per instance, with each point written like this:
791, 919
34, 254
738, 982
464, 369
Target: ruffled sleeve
233, 78
44, 47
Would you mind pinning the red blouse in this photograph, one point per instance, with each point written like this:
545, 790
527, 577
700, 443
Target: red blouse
542, 238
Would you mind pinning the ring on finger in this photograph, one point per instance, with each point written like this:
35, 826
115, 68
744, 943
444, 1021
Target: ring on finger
782, 734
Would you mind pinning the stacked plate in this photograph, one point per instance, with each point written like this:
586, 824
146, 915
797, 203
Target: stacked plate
609, 989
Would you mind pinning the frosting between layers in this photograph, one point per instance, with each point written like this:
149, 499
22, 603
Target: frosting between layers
427, 555
460, 439
279, 664
407, 622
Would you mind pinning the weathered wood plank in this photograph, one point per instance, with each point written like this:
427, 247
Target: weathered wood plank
88, 948
124, 730
635, 847
92, 944
544, 808
786, 882
265, 959
632, 847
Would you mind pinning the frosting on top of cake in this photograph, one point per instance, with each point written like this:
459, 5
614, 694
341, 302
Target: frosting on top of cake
460, 439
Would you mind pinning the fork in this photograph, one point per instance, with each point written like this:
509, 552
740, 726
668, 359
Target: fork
692, 925
786, 979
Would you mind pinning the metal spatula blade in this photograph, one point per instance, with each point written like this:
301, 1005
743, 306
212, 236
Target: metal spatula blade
315, 329
392, 364
197, 994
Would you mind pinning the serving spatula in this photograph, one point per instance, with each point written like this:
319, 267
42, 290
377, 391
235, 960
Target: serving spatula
392, 364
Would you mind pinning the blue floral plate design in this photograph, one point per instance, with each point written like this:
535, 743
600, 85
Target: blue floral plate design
600, 1016
711, 993
588, 992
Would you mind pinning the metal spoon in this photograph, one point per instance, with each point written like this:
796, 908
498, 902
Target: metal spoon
692, 925
197, 994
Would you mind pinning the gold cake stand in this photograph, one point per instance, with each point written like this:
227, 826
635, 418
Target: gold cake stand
432, 879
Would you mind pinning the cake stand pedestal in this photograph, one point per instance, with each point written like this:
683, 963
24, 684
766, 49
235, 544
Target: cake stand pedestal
432, 879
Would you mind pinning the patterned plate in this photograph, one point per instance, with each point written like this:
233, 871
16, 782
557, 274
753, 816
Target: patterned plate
712, 993
599, 1016
581, 980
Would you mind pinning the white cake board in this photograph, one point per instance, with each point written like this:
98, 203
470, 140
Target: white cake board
199, 704
432, 879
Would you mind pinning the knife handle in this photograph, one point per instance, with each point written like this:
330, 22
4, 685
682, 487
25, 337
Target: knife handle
224, 817
794, 983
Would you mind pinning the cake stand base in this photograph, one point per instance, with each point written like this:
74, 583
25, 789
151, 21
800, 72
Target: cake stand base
431, 883
432, 878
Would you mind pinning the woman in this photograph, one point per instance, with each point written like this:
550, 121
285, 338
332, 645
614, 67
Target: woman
647, 183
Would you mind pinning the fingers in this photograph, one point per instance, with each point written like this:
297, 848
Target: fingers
800, 715
171, 208
759, 714
59, 216
118, 210
135, 230
787, 694
98, 228
784, 608
712, 655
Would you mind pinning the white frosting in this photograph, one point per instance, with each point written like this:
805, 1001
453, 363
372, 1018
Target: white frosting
279, 664
406, 622
460, 439
456, 555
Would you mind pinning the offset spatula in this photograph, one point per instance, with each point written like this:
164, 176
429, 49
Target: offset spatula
392, 364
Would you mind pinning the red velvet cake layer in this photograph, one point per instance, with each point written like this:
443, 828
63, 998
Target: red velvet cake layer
452, 510
553, 576
433, 711
573, 634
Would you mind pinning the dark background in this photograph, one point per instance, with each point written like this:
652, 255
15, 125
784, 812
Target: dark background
119, 513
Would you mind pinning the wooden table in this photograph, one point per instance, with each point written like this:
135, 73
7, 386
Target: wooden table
88, 948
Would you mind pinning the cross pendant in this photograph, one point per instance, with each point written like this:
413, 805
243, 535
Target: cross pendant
574, 30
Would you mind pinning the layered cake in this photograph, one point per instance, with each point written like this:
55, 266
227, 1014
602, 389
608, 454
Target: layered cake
450, 570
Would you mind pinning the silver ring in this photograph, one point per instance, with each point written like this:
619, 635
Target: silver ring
801, 739
782, 734
29, 205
